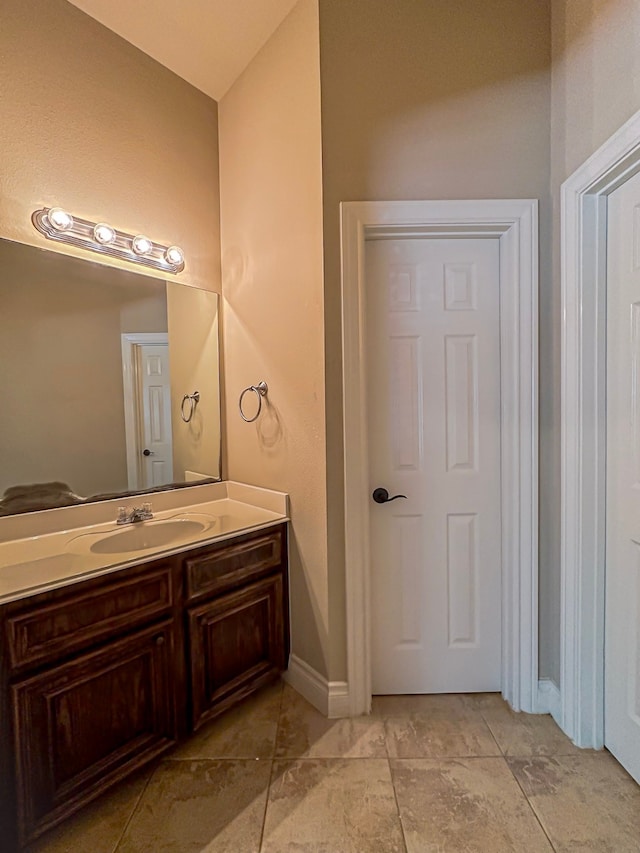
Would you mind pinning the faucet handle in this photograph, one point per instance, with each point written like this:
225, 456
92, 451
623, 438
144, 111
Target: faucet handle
145, 511
122, 514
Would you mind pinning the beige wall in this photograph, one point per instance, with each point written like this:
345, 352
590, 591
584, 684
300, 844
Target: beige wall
419, 100
271, 203
90, 123
426, 101
596, 76
194, 366
62, 414
595, 89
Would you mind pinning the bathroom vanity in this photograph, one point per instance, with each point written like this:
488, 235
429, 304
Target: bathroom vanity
108, 664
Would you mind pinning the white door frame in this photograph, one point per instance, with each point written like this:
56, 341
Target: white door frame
130, 341
584, 442
514, 222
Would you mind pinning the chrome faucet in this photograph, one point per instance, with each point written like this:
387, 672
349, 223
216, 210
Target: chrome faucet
132, 514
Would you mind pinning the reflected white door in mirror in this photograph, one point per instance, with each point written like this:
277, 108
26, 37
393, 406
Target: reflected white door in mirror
65, 432
147, 409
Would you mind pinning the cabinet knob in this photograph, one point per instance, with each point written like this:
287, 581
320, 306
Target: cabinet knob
160, 641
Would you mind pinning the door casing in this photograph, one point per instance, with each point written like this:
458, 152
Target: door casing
514, 222
583, 425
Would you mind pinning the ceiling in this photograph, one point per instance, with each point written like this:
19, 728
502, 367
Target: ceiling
206, 42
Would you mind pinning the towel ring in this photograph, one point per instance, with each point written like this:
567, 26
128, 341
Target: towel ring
193, 399
260, 390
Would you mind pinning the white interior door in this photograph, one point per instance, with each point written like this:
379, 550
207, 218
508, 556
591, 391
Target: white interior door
156, 459
622, 609
433, 367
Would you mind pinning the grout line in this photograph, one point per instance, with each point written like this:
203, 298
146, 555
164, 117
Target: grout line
395, 797
384, 735
273, 758
530, 804
275, 742
134, 809
292, 758
447, 757
494, 738
266, 804
212, 758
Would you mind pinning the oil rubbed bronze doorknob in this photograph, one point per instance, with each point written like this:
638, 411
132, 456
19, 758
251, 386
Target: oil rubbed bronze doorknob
381, 496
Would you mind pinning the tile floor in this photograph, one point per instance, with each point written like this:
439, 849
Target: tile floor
422, 773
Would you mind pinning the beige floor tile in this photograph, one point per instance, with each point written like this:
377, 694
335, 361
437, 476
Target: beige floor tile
99, 826
472, 805
247, 731
332, 806
443, 727
304, 732
397, 706
200, 807
585, 802
480, 701
520, 734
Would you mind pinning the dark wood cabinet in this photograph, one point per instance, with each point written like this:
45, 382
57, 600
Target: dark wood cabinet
236, 643
100, 677
90, 721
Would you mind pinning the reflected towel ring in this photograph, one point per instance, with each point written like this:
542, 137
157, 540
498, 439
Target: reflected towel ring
193, 399
260, 390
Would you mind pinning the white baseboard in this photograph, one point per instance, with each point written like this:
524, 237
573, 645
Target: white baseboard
331, 698
549, 698
339, 703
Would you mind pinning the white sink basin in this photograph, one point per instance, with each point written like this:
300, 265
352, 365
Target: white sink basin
141, 536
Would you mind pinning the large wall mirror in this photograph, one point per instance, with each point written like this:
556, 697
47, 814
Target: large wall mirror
95, 363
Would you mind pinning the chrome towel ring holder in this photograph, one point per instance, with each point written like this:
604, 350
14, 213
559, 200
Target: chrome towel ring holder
260, 390
189, 410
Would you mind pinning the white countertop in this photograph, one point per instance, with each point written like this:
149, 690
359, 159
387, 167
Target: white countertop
54, 558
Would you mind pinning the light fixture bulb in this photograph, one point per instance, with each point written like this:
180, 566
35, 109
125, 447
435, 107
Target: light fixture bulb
60, 219
141, 245
174, 255
104, 233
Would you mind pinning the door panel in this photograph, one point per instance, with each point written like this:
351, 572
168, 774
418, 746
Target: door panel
622, 618
90, 721
157, 466
235, 643
433, 332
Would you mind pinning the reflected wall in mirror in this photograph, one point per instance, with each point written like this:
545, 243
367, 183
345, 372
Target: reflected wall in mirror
94, 364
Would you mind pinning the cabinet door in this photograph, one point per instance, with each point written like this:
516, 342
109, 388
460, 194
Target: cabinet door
85, 724
237, 642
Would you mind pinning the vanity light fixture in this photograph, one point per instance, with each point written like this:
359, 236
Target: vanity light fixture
57, 224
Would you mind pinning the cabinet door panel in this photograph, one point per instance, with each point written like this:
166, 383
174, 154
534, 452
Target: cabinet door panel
236, 644
83, 725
